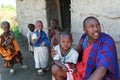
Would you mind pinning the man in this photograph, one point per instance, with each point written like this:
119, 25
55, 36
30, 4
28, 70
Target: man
98, 53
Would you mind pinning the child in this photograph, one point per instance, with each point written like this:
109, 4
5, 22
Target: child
9, 48
66, 56
53, 32
29, 37
41, 44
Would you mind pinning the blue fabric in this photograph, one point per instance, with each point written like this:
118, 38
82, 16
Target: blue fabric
103, 53
43, 37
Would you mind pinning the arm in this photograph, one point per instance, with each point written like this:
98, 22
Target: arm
37, 39
12, 35
53, 52
11, 38
46, 40
79, 50
50, 33
106, 61
58, 63
98, 74
1, 39
28, 38
79, 47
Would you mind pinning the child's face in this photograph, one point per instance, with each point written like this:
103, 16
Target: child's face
53, 24
39, 26
31, 28
5, 28
65, 42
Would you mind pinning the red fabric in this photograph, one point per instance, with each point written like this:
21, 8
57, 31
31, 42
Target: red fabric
81, 66
55, 39
76, 76
71, 75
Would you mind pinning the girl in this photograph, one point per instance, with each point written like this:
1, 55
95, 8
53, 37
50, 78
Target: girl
9, 48
29, 37
66, 56
41, 44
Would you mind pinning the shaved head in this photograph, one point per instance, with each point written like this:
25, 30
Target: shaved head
66, 34
89, 19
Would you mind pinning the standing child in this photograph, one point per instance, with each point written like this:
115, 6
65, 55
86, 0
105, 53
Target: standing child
66, 57
54, 32
9, 48
29, 37
41, 44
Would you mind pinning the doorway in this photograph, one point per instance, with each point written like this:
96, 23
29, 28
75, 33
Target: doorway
65, 14
60, 10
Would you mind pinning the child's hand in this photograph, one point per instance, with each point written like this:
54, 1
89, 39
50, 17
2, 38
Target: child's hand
42, 44
65, 68
4, 43
8, 41
53, 52
74, 68
39, 34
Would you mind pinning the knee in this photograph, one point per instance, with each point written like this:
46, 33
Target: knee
58, 73
55, 69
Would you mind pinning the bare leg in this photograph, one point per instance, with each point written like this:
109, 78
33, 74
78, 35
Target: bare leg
22, 65
58, 73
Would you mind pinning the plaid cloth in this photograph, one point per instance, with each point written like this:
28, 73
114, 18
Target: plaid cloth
103, 53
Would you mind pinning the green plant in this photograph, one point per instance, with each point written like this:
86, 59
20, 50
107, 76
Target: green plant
16, 31
7, 8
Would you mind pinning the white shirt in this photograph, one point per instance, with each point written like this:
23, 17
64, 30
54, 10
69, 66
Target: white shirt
29, 36
71, 57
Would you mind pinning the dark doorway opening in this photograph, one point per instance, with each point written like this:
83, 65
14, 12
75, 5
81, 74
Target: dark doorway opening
60, 10
65, 14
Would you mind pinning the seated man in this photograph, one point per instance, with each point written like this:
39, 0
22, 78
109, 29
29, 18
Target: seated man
98, 52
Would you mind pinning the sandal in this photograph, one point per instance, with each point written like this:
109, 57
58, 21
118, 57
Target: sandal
40, 72
24, 67
12, 71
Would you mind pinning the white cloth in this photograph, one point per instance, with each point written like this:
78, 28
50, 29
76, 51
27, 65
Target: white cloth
29, 38
70, 73
34, 36
41, 56
71, 57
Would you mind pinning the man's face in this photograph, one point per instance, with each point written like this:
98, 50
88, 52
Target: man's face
92, 29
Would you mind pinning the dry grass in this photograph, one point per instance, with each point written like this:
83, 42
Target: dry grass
8, 13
